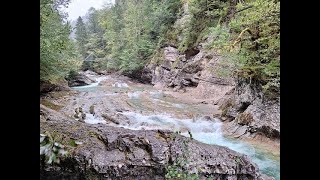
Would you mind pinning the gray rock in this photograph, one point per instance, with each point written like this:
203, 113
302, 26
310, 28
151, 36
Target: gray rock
110, 118
250, 110
46, 86
116, 153
79, 79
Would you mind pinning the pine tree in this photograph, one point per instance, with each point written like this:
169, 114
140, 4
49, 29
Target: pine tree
81, 36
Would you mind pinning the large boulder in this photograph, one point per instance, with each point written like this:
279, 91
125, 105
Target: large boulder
247, 107
79, 79
109, 152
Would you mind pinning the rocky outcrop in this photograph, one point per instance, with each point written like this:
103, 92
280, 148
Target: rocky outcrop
80, 79
109, 152
246, 109
186, 69
194, 68
46, 86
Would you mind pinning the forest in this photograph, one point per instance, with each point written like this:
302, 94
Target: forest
126, 36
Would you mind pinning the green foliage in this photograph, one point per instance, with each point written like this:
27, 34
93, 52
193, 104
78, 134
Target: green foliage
203, 14
51, 150
178, 170
134, 29
74, 143
261, 46
81, 37
250, 44
221, 38
58, 54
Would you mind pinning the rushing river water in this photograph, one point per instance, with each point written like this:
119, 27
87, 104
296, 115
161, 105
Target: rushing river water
202, 129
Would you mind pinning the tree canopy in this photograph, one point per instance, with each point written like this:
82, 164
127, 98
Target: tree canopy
58, 54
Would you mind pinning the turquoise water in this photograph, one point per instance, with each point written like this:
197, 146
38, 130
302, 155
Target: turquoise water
205, 131
208, 132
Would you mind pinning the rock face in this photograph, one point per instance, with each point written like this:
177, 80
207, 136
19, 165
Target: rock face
186, 69
79, 79
242, 104
245, 107
115, 153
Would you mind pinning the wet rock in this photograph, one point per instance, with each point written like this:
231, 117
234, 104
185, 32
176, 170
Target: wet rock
79, 115
79, 79
240, 131
119, 110
88, 72
207, 118
117, 153
110, 118
91, 110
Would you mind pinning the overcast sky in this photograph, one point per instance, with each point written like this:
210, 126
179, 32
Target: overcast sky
80, 7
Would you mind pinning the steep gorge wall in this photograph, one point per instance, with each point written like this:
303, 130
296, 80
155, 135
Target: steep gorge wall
245, 111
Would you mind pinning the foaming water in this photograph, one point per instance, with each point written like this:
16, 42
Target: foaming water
98, 80
120, 85
156, 94
203, 130
91, 119
133, 95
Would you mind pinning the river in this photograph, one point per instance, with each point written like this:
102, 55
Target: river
149, 108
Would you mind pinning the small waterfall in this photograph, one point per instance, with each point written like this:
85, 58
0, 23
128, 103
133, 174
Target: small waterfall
98, 80
120, 85
91, 119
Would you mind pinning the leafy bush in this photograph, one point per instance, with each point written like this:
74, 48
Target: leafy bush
50, 149
250, 44
261, 45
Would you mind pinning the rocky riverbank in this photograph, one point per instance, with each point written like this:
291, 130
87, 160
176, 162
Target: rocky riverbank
194, 74
117, 102
115, 153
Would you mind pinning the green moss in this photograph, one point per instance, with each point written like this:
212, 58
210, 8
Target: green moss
158, 57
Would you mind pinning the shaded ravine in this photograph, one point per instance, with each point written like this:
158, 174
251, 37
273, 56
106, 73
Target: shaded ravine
152, 109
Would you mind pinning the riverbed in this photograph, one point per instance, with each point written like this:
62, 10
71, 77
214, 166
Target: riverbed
146, 108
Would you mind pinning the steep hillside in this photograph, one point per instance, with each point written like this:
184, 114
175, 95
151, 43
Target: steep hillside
231, 60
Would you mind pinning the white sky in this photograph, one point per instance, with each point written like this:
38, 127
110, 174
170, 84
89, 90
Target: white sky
80, 7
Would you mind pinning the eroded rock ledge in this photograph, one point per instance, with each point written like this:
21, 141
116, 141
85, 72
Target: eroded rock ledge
117, 153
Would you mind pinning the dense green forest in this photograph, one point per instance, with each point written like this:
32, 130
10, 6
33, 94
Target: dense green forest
58, 54
127, 35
